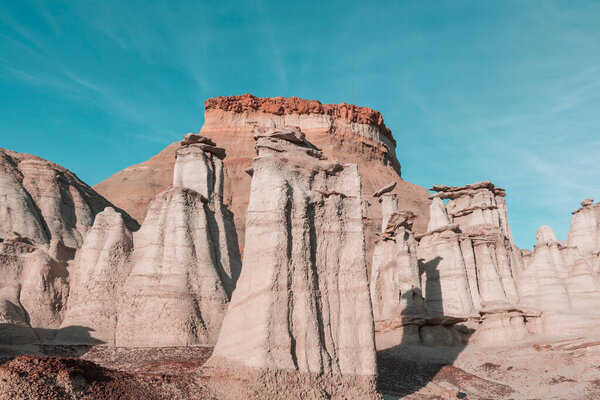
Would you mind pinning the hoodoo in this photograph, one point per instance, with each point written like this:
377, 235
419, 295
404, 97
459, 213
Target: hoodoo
186, 257
344, 132
559, 280
301, 310
470, 244
395, 285
452, 305
97, 277
399, 309
443, 269
585, 232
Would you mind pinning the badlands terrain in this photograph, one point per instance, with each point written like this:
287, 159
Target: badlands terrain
279, 254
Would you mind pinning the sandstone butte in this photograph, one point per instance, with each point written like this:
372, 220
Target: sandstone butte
343, 132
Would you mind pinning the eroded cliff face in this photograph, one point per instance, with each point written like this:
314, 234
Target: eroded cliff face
186, 258
344, 132
45, 213
301, 309
299, 322
43, 201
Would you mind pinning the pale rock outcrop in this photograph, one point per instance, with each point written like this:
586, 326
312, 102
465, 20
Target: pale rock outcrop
33, 290
558, 278
486, 254
300, 323
14, 324
541, 285
502, 324
443, 272
43, 201
584, 233
438, 216
45, 212
395, 285
344, 132
186, 258
99, 270
585, 227
401, 317
389, 203
583, 287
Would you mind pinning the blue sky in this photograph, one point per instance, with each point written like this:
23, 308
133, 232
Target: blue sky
480, 90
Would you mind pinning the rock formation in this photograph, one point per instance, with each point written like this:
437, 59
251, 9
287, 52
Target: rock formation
42, 201
395, 285
503, 324
561, 283
186, 258
542, 283
401, 317
100, 268
445, 281
45, 212
344, 132
469, 244
585, 232
301, 311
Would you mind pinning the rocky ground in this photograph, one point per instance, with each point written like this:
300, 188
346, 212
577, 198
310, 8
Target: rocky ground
566, 369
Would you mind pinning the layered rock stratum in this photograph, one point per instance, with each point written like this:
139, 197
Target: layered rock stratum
469, 250
45, 213
343, 132
186, 258
42, 201
301, 309
97, 278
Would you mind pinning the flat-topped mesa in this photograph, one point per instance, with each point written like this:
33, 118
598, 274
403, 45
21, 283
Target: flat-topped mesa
295, 105
345, 122
186, 259
301, 310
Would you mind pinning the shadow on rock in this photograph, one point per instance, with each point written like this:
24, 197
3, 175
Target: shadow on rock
429, 342
17, 340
